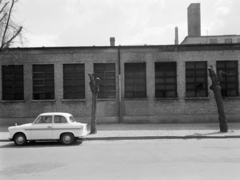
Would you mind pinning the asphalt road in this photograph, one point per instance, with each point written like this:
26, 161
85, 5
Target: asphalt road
203, 159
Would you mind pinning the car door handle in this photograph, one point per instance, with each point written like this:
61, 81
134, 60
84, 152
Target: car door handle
49, 127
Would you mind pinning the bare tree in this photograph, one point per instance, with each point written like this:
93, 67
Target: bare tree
9, 30
215, 87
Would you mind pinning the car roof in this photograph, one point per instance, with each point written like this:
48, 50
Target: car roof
55, 113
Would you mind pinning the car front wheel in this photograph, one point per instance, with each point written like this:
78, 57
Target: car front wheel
67, 139
20, 139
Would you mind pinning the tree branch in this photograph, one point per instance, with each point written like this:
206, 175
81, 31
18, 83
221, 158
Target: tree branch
10, 40
3, 17
6, 27
3, 7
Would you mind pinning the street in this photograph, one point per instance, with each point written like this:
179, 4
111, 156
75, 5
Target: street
126, 159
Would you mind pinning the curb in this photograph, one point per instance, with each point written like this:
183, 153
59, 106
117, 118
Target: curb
158, 137
147, 138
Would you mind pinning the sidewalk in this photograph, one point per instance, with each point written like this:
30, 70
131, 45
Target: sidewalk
155, 131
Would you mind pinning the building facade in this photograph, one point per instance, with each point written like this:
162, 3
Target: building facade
139, 84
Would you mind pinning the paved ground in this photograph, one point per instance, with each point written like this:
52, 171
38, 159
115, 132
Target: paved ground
158, 159
155, 131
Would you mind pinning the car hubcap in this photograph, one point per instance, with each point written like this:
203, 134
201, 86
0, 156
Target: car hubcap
67, 138
20, 139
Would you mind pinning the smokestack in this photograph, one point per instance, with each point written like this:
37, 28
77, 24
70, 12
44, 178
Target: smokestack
176, 35
194, 20
112, 41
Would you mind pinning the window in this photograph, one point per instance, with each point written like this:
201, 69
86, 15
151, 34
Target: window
228, 40
213, 41
73, 81
229, 80
107, 75
165, 79
43, 119
238, 40
12, 82
60, 119
43, 82
196, 79
135, 80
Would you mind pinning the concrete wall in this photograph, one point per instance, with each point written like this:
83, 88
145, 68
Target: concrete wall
144, 110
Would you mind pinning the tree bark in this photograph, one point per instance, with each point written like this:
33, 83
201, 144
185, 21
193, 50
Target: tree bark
93, 118
94, 81
215, 87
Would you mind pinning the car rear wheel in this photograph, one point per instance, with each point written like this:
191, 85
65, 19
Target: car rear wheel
67, 139
20, 139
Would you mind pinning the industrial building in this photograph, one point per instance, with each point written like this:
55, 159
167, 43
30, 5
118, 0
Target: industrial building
138, 84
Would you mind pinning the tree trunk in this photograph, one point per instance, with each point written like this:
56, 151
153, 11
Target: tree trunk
215, 87
94, 118
94, 81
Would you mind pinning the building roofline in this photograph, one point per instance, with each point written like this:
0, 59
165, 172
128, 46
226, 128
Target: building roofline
181, 47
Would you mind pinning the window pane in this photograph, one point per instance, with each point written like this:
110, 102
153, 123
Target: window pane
170, 80
165, 79
170, 94
135, 80
110, 66
43, 82
12, 82
200, 65
170, 73
74, 81
190, 93
80, 95
196, 79
190, 65
160, 87
229, 80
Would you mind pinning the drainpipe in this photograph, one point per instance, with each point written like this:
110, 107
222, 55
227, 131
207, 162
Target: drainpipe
119, 87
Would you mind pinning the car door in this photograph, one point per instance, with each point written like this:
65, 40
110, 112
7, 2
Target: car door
42, 128
60, 125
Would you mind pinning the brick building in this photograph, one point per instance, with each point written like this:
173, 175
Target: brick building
139, 84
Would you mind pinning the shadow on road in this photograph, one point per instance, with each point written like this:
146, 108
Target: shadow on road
40, 144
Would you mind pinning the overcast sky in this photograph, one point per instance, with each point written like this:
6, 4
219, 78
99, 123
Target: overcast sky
131, 22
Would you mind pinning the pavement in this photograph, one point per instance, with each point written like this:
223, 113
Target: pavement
154, 131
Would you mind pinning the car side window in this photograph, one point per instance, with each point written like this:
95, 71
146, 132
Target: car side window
44, 119
60, 119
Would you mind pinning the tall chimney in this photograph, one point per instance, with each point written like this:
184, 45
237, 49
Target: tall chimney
176, 35
112, 41
194, 20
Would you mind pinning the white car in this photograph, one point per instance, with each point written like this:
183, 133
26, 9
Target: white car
49, 126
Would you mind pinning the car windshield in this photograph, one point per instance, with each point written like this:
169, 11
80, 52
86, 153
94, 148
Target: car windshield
72, 119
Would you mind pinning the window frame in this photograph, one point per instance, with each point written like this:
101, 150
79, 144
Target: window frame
17, 83
135, 93
195, 77
107, 89
77, 88
47, 89
165, 77
226, 75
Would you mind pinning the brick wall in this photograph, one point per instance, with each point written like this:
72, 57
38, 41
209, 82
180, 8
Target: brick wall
144, 110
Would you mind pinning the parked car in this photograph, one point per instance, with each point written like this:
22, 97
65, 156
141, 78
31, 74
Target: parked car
49, 126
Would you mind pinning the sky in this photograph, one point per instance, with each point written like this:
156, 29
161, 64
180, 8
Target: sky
51, 23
